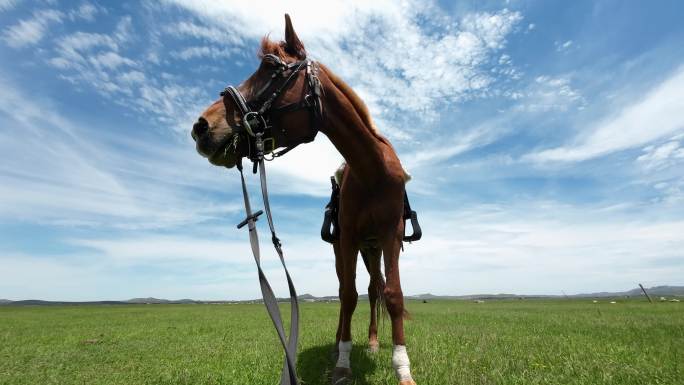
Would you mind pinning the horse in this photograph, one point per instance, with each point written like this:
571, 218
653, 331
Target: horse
372, 185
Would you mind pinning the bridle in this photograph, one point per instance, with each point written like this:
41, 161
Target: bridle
256, 130
259, 114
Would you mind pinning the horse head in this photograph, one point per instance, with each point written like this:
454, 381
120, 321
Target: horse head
284, 70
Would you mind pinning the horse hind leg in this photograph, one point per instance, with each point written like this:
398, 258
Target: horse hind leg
372, 258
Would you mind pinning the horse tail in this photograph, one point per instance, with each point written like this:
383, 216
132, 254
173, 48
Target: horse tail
373, 256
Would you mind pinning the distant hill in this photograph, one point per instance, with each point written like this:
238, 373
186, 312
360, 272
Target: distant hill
151, 300
666, 290
656, 291
134, 301
636, 292
428, 296
148, 300
37, 302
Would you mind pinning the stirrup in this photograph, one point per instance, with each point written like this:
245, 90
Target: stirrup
330, 231
417, 232
413, 217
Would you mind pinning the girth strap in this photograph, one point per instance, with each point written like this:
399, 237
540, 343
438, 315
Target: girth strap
289, 373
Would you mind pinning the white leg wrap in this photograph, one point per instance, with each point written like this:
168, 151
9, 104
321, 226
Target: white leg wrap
343, 358
400, 361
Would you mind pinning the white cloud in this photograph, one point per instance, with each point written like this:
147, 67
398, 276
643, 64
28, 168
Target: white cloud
545, 248
132, 77
207, 33
86, 11
660, 166
111, 60
100, 61
57, 172
73, 48
442, 148
31, 31
672, 192
547, 93
204, 51
381, 49
307, 169
563, 46
656, 114
661, 156
27, 277
491, 28
6, 5
185, 267
541, 249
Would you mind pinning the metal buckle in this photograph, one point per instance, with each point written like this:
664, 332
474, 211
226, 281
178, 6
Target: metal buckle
270, 140
252, 120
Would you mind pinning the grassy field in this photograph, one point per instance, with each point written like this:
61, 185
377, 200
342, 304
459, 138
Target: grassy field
497, 342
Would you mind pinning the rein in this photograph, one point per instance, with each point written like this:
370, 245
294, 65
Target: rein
288, 374
257, 130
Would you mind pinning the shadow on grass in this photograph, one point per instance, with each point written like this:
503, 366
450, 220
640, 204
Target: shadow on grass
315, 365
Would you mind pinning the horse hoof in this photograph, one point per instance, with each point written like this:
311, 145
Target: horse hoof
373, 347
341, 376
407, 382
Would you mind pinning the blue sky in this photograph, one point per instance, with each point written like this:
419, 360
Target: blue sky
545, 140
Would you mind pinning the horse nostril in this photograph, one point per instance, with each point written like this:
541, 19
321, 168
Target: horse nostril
200, 128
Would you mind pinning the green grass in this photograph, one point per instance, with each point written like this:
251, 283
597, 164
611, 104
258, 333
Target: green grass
497, 342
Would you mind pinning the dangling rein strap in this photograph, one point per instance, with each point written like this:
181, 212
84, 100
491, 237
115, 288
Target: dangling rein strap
289, 372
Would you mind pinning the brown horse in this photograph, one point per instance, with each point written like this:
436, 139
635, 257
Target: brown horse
372, 186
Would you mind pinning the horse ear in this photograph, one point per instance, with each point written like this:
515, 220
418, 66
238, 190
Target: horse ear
293, 45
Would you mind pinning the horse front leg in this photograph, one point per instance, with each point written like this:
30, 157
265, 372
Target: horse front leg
394, 297
349, 249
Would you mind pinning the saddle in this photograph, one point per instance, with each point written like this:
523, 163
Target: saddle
330, 231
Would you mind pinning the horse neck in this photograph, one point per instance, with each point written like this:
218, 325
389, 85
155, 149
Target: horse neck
349, 129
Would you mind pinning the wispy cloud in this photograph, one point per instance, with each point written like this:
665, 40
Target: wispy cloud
86, 11
111, 60
656, 157
30, 31
672, 191
443, 148
563, 46
57, 172
545, 248
547, 93
545, 245
6, 5
656, 114
102, 62
204, 51
219, 35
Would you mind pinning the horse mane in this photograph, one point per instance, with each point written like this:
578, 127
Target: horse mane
279, 48
356, 102
363, 112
